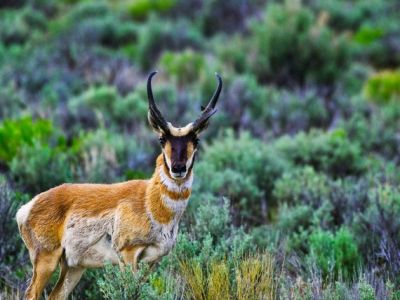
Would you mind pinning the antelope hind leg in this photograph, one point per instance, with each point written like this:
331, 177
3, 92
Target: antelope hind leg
44, 264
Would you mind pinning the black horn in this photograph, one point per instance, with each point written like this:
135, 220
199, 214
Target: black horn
202, 122
155, 117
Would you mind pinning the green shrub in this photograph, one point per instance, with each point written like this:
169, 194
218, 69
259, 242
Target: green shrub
91, 23
140, 9
107, 156
231, 50
375, 37
244, 170
14, 134
290, 112
124, 284
35, 153
302, 186
381, 227
342, 18
103, 104
39, 167
279, 53
11, 103
383, 87
109, 31
376, 130
13, 260
227, 16
267, 111
331, 152
185, 66
242, 110
336, 253
18, 26
366, 291
160, 35
309, 200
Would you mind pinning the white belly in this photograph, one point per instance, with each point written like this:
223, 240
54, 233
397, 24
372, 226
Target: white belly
87, 242
100, 254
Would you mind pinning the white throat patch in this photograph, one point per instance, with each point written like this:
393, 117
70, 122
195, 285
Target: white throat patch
172, 185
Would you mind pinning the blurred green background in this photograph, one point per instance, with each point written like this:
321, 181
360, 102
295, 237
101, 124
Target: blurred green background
296, 192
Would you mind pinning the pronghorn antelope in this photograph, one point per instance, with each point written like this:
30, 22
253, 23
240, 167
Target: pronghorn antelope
83, 226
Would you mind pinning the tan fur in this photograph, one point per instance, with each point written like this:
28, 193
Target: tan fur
121, 214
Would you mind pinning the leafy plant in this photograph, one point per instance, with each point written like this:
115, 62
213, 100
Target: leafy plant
279, 54
330, 152
336, 253
227, 161
383, 87
142, 8
14, 134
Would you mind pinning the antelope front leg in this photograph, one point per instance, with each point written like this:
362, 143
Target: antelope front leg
130, 255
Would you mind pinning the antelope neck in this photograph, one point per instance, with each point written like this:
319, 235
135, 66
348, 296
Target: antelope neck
167, 198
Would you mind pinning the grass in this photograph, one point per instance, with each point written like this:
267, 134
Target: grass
251, 277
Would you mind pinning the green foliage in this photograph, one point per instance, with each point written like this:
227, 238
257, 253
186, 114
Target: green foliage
383, 87
18, 26
14, 134
105, 156
366, 291
330, 152
40, 167
142, 8
279, 53
341, 17
308, 170
157, 36
91, 23
336, 253
244, 170
11, 104
302, 186
185, 66
227, 16
125, 284
376, 132
106, 105
380, 218
12, 251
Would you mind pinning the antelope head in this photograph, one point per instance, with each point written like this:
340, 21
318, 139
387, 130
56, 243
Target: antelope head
179, 144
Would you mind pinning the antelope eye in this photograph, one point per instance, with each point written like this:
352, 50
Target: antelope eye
162, 140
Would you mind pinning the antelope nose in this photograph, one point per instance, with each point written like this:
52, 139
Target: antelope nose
178, 168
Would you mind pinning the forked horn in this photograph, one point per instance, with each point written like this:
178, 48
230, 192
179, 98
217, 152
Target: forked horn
154, 115
202, 122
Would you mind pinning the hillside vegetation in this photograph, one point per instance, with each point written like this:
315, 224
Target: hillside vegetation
297, 183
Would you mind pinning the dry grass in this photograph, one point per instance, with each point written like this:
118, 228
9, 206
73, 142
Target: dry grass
251, 278
218, 281
255, 278
194, 277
